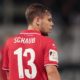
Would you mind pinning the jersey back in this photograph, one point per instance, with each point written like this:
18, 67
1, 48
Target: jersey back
26, 56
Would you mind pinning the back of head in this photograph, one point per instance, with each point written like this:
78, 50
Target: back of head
35, 10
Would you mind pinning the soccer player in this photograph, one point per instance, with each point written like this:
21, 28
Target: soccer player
29, 55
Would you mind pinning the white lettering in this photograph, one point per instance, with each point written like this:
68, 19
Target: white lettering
24, 40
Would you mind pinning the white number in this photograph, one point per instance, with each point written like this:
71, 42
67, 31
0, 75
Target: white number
27, 73
18, 52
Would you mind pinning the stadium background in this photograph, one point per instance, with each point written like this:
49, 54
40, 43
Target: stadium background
66, 30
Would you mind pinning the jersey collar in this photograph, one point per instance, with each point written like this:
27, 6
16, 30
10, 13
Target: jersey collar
30, 32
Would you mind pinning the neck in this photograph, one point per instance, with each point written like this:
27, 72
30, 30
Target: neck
31, 27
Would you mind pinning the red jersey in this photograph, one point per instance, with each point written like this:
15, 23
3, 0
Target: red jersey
27, 54
3, 75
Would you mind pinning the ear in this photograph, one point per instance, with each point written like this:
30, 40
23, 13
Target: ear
38, 20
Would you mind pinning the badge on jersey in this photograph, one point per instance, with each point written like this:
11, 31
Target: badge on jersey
53, 55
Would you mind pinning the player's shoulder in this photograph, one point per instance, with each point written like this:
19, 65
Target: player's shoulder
10, 39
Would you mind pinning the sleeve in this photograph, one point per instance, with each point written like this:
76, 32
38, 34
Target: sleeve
51, 54
5, 65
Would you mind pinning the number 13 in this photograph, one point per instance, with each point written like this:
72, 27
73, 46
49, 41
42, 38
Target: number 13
21, 72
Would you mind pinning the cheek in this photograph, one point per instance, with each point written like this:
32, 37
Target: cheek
44, 26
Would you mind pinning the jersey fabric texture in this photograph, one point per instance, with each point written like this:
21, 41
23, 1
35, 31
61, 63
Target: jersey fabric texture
3, 75
27, 54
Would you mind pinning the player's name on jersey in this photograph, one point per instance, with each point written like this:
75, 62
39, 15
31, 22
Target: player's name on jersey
24, 40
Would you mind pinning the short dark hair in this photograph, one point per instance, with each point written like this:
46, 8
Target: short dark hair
35, 9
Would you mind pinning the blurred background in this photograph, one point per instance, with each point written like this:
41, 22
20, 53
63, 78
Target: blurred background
66, 32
